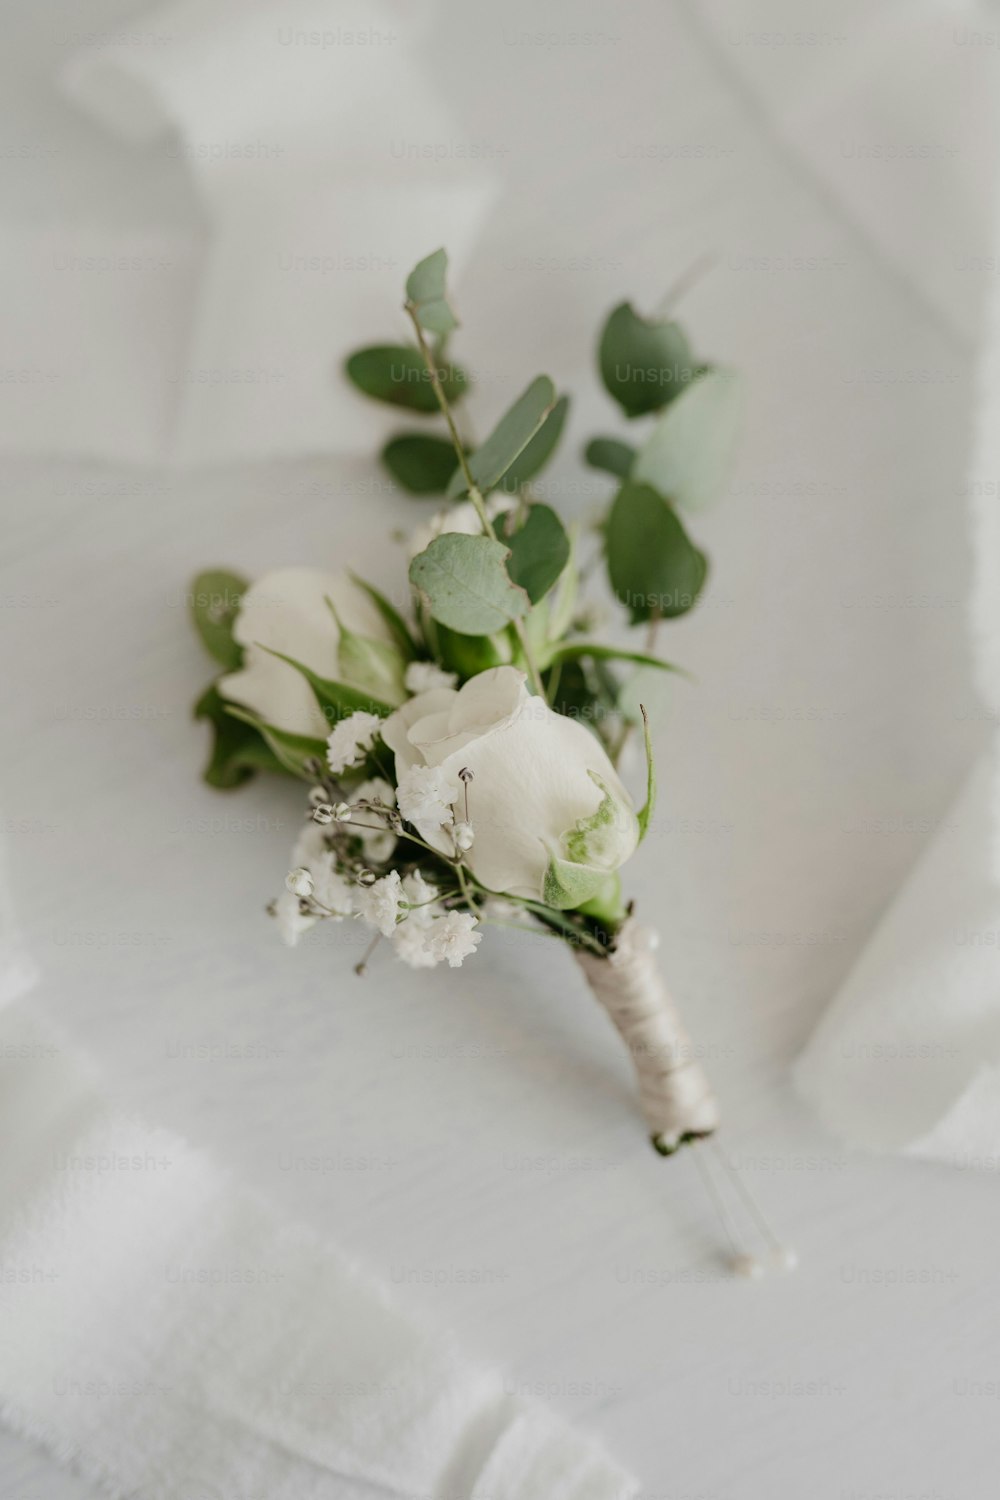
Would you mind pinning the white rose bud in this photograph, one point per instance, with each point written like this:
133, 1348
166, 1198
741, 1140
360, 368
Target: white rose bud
290, 611
552, 820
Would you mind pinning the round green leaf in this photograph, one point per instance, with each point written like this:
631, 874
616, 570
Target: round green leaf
396, 373
654, 568
427, 294
539, 550
422, 465
465, 584
644, 364
689, 453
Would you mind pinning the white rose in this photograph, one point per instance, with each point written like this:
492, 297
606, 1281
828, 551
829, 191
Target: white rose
542, 787
287, 611
463, 518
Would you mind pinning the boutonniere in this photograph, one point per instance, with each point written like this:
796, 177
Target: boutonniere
461, 738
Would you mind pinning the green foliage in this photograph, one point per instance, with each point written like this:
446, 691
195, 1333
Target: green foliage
426, 294
215, 602
467, 654
289, 752
237, 748
464, 583
422, 465
568, 886
396, 374
646, 811
654, 568
644, 362
494, 458
539, 550
533, 458
398, 627
571, 650
689, 453
611, 455
336, 700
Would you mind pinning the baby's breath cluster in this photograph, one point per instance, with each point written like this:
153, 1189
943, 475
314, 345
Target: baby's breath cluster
356, 858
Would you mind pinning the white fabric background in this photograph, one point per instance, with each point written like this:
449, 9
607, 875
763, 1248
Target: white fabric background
833, 723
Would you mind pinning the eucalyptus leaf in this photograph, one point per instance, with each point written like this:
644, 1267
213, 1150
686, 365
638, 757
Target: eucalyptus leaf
427, 295
539, 550
689, 453
465, 584
237, 749
422, 465
655, 569
336, 700
396, 374
611, 455
290, 752
508, 440
644, 363
538, 452
215, 602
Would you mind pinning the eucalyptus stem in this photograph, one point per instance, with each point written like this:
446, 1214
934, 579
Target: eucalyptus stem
475, 494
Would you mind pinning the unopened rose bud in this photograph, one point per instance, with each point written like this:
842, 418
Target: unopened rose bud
464, 835
299, 882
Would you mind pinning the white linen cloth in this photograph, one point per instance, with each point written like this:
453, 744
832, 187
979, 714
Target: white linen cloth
167, 1335
908, 1056
325, 167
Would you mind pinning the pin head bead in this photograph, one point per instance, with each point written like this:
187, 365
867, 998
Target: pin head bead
466, 775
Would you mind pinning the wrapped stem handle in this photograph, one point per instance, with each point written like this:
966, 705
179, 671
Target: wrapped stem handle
676, 1097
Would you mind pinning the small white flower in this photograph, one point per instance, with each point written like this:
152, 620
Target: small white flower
299, 882
410, 941
453, 937
378, 904
419, 893
422, 676
379, 842
309, 846
425, 795
464, 835
331, 889
292, 922
342, 813
375, 790
350, 740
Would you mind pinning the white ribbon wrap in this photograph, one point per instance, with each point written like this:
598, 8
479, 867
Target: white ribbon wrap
676, 1097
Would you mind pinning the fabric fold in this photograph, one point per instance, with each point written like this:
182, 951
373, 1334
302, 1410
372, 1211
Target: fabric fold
167, 1334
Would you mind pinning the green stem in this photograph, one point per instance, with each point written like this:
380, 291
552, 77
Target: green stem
475, 494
